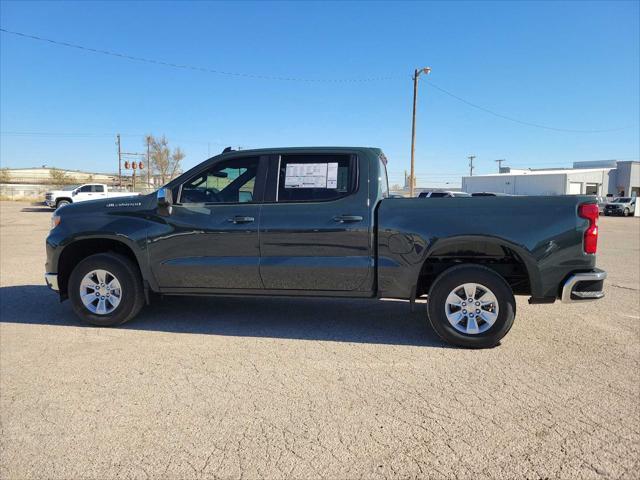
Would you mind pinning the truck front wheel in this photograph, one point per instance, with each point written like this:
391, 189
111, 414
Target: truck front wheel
471, 306
63, 203
106, 289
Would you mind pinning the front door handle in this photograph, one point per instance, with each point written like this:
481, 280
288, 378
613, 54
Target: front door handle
347, 218
240, 219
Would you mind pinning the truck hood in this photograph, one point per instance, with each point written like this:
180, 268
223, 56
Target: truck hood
111, 205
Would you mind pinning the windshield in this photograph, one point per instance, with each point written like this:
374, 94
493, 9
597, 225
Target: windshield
69, 188
622, 200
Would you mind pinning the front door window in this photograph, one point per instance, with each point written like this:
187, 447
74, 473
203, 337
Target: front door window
227, 182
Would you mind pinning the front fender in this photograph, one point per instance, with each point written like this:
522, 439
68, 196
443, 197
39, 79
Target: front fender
128, 229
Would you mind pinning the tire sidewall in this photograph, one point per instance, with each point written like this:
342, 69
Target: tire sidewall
120, 267
457, 276
62, 203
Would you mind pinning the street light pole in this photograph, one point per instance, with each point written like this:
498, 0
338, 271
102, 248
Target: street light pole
416, 74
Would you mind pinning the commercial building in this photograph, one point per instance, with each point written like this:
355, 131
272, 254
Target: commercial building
611, 177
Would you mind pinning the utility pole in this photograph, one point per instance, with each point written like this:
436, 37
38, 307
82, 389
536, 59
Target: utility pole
471, 157
499, 161
416, 74
119, 162
148, 161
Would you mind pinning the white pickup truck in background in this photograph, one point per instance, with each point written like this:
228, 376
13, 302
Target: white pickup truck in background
82, 193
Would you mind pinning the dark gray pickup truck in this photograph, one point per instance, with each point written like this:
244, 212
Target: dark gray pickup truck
317, 222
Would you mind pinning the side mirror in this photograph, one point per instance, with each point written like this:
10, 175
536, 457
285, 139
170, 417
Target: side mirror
74, 193
165, 201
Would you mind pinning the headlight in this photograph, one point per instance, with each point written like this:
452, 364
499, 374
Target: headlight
55, 220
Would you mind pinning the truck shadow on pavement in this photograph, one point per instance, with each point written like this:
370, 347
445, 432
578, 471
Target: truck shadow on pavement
38, 209
339, 320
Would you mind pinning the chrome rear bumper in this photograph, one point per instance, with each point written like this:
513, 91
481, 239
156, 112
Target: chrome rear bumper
584, 286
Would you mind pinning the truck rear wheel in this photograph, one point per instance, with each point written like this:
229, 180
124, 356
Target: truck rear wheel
471, 306
106, 289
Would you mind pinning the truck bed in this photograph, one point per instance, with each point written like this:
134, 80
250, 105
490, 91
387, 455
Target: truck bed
545, 233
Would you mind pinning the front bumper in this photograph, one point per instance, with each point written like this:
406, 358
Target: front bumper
52, 281
614, 211
584, 286
50, 203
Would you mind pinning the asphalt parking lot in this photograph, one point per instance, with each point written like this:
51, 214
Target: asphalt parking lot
294, 388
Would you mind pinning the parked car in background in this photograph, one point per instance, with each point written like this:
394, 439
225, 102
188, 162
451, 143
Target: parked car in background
621, 206
602, 202
318, 222
81, 193
443, 194
490, 194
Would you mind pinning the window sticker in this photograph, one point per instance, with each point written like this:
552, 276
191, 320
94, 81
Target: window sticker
311, 175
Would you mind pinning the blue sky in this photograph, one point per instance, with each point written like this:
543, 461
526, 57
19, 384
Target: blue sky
571, 65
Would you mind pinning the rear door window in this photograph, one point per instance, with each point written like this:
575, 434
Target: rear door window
315, 177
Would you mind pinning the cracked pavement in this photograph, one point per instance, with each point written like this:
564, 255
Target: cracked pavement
313, 388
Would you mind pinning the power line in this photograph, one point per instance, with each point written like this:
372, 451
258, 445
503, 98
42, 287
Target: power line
96, 135
62, 134
191, 67
522, 122
299, 79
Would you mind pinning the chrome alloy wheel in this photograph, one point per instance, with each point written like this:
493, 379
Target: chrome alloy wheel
100, 292
471, 308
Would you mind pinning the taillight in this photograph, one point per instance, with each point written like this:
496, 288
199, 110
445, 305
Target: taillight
590, 212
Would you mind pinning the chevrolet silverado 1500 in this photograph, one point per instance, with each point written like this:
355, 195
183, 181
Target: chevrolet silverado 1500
318, 222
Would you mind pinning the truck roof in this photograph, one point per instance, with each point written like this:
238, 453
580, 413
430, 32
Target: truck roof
262, 151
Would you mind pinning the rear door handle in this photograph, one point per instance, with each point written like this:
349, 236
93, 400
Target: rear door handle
347, 218
240, 219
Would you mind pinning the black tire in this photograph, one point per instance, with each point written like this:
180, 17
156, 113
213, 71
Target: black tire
459, 275
626, 212
130, 280
62, 203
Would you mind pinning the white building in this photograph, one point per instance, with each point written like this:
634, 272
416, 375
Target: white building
610, 177
42, 175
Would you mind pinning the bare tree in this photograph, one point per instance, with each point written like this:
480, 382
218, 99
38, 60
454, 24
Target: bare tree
59, 177
163, 162
5, 177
